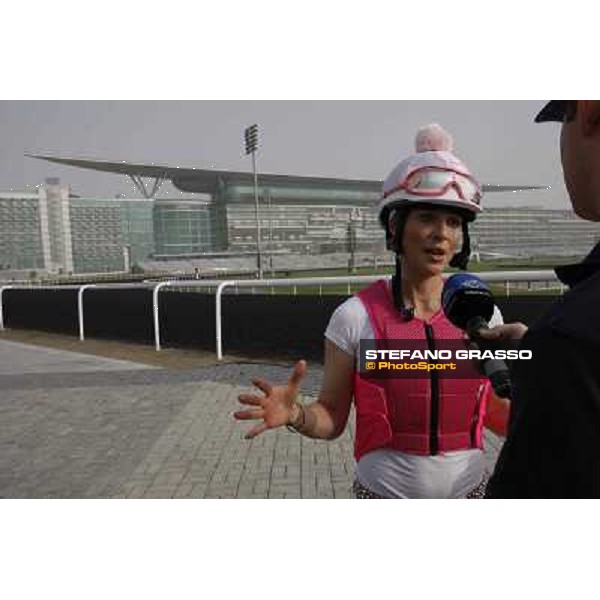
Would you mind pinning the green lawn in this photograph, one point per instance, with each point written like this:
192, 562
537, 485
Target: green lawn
475, 267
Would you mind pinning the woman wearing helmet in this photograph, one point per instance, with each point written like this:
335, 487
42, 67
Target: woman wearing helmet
415, 438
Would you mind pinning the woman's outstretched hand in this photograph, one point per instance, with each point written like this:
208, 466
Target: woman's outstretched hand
276, 407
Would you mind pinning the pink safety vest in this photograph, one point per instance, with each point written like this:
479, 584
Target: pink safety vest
427, 415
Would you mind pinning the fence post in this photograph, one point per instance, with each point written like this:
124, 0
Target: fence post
80, 307
218, 329
4, 287
155, 291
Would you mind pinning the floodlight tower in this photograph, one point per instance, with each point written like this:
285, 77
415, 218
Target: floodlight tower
251, 139
351, 241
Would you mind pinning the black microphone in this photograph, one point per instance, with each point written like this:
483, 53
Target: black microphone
469, 305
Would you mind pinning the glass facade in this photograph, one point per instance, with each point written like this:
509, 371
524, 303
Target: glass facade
138, 228
20, 232
184, 227
97, 236
103, 231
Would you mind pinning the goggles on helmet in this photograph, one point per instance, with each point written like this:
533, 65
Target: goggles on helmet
445, 185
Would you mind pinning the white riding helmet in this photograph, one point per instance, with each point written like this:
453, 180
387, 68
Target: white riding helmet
433, 176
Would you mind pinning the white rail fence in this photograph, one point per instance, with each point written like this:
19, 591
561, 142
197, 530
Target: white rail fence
220, 287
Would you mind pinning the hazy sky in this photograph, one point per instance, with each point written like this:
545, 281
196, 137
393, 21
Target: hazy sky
355, 139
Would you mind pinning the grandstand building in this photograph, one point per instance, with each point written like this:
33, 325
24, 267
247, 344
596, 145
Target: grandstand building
527, 232
55, 231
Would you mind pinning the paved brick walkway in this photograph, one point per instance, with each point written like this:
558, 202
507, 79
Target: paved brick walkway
75, 426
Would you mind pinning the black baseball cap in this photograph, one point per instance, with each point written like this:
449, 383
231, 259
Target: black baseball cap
555, 110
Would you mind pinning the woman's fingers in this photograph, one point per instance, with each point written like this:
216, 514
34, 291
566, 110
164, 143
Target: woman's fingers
248, 415
298, 373
250, 399
262, 384
256, 430
508, 331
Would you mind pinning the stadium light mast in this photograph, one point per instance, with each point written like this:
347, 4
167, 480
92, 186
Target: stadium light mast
251, 139
351, 241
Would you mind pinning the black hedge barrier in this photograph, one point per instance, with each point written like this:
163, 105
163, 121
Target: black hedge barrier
52, 310
118, 314
256, 325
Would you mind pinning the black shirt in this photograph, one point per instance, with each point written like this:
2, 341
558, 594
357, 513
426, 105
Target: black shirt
552, 449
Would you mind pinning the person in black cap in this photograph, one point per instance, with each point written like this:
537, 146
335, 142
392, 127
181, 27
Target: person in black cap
552, 449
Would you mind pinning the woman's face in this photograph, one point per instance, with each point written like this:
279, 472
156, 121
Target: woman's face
431, 238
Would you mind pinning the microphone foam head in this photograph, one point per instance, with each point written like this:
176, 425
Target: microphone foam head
465, 297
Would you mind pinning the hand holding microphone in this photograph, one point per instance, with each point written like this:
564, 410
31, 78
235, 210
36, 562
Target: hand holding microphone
508, 331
